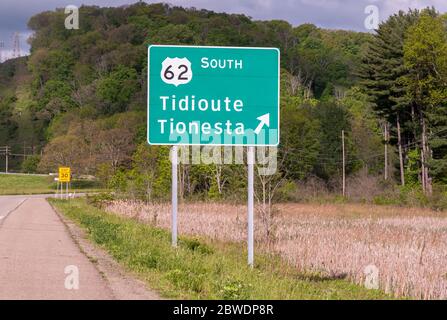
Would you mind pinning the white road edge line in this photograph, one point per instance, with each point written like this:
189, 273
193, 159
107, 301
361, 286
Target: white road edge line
12, 210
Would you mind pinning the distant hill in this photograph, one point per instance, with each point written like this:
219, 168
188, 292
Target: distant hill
99, 72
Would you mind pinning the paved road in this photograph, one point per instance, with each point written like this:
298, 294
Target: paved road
36, 249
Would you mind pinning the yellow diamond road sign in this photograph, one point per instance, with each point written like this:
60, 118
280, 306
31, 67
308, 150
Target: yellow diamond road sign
64, 174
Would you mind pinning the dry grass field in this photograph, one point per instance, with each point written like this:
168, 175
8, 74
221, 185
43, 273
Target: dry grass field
408, 246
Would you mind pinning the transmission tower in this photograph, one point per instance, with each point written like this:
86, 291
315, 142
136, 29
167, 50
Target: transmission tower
2, 45
16, 46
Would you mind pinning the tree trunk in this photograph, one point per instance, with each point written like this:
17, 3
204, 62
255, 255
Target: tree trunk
426, 181
423, 166
401, 157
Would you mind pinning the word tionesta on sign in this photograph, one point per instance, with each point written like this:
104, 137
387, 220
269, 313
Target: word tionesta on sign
193, 103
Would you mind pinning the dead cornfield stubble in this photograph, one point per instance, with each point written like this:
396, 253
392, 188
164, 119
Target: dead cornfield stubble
407, 245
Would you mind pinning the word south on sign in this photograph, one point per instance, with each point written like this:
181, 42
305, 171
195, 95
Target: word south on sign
213, 95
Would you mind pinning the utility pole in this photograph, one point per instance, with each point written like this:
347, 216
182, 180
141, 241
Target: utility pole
401, 157
5, 151
344, 161
386, 136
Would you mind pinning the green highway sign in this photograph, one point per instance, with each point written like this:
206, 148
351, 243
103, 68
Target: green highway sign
213, 95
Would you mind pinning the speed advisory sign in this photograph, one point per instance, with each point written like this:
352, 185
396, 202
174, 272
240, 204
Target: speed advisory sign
213, 96
64, 174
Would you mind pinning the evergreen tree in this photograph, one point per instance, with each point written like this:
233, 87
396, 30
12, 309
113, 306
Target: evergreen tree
382, 72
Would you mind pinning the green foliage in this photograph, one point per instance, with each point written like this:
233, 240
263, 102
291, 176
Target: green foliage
55, 97
117, 89
412, 168
150, 176
425, 56
29, 165
83, 184
53, 65
172, 34
300, 140
98, 199
234, 290
162, 183
213, 191
405, 72
286, 191
8, 126
365, 130
334, 118
197, 246
104, 173
119, 182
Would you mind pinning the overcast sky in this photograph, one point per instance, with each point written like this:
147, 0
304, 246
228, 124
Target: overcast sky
341, 14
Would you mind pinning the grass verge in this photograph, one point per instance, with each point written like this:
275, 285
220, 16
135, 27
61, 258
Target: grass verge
25, 184
11, 184
198, 268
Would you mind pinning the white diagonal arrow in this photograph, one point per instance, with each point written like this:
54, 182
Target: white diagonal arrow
265, 120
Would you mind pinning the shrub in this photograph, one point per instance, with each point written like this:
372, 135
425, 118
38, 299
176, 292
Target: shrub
234, 290
29, 165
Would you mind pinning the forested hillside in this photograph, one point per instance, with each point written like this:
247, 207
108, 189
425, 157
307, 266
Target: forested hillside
87, 100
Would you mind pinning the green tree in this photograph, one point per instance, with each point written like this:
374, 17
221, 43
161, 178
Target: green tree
382, 71
300, 140
172, 34
55, 98
334, 118
117, 89
426, 59
366, 132
30, 164
145, 163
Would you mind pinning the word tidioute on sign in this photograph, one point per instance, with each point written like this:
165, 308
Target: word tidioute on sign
191, 103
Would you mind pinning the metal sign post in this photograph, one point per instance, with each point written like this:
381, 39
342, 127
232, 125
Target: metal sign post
57, 187
174, 162
250, 233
